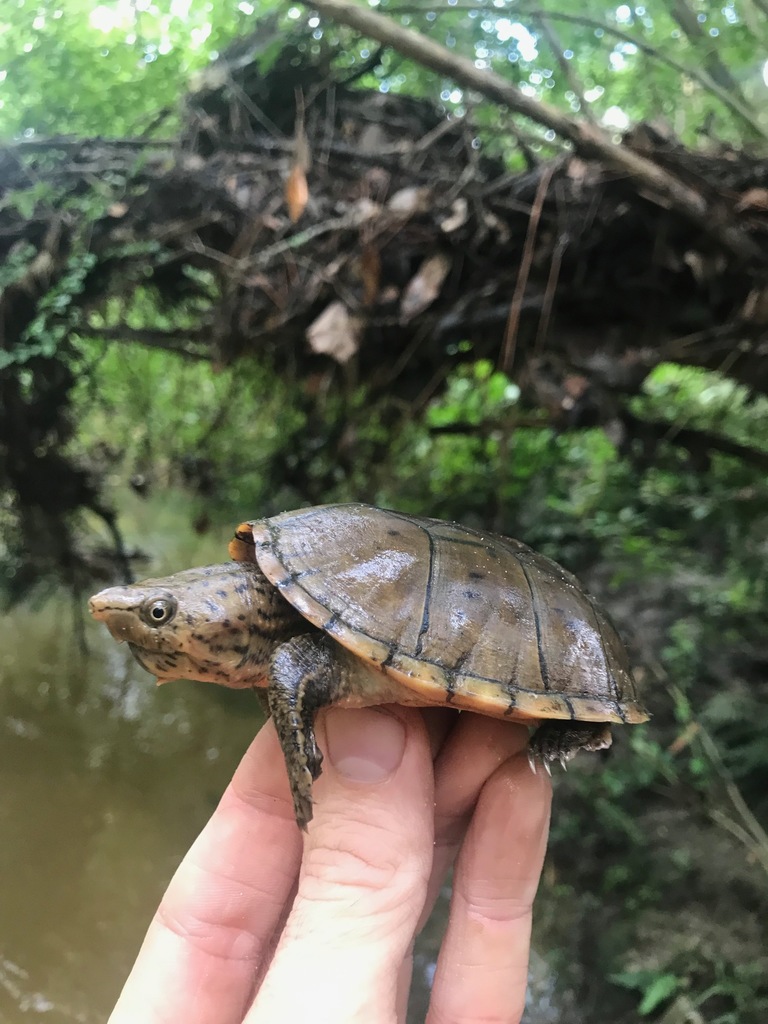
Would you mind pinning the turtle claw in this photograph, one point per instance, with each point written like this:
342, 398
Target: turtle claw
564, 762
547, 768
532, 760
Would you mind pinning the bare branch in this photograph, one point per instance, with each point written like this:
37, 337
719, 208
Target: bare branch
703, 44
737, 104
587, 139
569, 72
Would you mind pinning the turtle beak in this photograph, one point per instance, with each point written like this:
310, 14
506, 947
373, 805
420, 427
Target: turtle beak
96, 608
116, 610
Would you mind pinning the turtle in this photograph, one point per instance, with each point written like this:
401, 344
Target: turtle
357, 605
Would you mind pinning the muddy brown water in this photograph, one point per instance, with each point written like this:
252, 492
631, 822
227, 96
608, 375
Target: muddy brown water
105, 780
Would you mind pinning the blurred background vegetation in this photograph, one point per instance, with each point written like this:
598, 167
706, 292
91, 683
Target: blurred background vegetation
655, 899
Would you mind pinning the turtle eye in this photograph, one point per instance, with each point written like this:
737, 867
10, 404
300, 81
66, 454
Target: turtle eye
158, 610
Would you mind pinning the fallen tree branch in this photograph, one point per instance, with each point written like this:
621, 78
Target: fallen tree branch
737, 104
588, 140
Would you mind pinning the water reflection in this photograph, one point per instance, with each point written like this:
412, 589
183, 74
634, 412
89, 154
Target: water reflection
104, 783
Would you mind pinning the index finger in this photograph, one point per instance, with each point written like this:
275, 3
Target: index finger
218, 918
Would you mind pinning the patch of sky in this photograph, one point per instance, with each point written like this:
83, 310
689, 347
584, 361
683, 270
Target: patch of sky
614, 117
624, 14
619, 54
526, 41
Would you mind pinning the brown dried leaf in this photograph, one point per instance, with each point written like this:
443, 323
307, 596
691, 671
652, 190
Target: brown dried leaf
457, 217
335, 333
410, 200
753, 199
755, 308
424, 287
296, 192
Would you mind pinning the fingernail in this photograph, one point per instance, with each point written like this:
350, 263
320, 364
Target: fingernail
364, 744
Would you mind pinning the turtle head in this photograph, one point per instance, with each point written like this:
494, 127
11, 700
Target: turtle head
218, 623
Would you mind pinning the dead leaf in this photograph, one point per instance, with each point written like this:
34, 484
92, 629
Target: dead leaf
753, 199
577, 170
335, 333
755, 308
457, 217
296, 187
424, 287
410, 200
296, 193
117, 209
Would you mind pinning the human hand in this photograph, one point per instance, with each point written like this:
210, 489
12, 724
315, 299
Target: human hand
262, 925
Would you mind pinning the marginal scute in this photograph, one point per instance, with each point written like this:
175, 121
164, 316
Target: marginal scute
454, 615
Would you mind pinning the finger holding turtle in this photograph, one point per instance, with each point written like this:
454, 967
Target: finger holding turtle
243, 918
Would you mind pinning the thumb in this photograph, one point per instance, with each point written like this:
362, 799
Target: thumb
363, 882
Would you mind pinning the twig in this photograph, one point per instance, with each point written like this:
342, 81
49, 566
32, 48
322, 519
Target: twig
507, 357
549, 292
569, 73
695, 441
753, 826
750, 832
702, 44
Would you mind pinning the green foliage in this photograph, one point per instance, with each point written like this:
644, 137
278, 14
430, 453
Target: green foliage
655, 988
132, 62
145, 413
80, 68
665, 539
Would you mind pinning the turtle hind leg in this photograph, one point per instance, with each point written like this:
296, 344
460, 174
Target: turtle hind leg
303, 678
560, 740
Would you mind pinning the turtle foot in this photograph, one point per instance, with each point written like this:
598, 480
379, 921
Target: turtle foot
560, 741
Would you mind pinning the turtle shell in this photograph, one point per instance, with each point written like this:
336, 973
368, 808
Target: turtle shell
457, 616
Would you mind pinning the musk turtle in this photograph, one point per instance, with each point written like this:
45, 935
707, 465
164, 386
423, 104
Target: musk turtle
356, 605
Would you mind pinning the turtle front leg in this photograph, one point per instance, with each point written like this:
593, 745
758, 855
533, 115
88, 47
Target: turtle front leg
561, 740
303, 678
